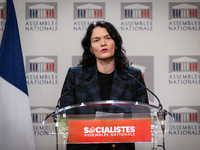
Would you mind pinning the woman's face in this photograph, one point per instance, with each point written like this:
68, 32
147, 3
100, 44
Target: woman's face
102, 45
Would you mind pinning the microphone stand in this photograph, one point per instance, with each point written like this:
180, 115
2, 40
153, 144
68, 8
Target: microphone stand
161, 113
56, 128
54, 114
89, 77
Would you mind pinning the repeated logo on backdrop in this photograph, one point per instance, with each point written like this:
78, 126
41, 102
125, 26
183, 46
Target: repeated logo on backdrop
41, 16
2, 16
186, 120
38, 114
86, 13
184, 16
41, 70
136, 17
184, 70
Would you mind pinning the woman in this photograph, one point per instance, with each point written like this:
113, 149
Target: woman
104, 62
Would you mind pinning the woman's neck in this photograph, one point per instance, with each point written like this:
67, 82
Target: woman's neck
106, 67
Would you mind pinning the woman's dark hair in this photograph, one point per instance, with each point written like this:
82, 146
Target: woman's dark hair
88, 59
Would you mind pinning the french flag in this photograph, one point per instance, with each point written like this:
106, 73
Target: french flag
16, 126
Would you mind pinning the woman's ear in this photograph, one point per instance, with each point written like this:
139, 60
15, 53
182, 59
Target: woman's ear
91, 50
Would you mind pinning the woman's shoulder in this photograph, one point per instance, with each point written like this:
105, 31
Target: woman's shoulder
79, 69
76, 69
131, 69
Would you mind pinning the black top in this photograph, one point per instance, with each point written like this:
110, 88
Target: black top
105, 82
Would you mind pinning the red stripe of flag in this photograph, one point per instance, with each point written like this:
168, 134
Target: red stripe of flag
95, 14
47, 14
53, 67
52, 13
47, 67
142, 13
196, 66
195, 117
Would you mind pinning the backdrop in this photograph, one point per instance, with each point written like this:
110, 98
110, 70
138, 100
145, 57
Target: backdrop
161, 37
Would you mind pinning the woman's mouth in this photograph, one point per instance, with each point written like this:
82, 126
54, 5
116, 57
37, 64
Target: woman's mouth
104, 50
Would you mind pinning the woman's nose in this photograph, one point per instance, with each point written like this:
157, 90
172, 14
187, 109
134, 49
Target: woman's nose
103, 42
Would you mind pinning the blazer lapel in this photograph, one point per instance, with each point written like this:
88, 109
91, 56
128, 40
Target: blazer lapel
93, 89
118, 86
92, 86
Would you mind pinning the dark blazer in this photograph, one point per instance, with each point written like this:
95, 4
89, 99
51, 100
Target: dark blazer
123, 88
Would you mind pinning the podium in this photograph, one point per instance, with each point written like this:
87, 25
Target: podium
108, 121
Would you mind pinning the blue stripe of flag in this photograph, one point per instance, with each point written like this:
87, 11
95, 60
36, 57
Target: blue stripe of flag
11, 59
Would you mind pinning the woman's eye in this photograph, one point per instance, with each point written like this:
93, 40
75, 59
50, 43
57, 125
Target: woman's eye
108, 38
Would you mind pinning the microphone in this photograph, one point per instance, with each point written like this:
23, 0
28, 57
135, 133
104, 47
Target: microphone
53, 114
57, 106
126, 72
88, 78
161, 113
